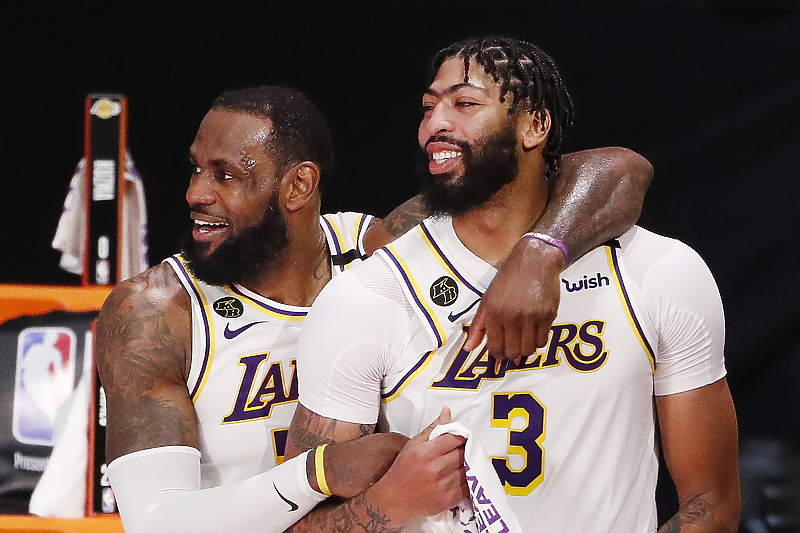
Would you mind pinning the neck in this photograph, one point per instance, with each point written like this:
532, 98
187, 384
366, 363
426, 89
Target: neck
491, 230
298, 275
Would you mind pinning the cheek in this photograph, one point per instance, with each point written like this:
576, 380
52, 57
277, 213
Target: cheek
422, 135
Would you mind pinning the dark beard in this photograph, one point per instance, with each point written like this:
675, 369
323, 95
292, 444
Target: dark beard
493, 165
240, 257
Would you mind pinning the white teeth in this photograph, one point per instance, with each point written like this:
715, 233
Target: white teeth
205, 226
438, 157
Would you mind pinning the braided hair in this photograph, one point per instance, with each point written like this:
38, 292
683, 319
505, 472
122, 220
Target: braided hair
299, 131
529, 75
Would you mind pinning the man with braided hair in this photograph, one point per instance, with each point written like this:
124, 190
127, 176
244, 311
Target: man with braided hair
197, 354
570, 426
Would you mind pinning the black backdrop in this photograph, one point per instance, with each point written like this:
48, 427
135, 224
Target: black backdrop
709, 92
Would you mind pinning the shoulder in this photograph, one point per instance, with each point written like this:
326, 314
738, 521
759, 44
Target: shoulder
648, 257
144, 314
361, 294
157, 287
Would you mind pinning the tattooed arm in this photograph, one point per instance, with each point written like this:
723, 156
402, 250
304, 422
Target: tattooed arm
595, 195
143, 348
698, 436
426, 478
153, 438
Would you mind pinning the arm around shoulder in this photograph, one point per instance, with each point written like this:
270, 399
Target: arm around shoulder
595, 195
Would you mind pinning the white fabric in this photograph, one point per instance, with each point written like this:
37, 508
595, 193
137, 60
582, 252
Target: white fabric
242, 379
575, 419
158, 491
487, 510
69, 232
61, 491
231, 452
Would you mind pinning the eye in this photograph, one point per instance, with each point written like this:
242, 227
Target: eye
464, 104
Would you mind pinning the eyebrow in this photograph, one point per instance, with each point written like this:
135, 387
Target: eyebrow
454, 88
213, 162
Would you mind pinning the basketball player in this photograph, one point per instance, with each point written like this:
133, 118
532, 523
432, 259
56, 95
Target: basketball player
569, 428
197, 354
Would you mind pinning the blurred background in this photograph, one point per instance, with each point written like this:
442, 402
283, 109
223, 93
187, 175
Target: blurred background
708, 91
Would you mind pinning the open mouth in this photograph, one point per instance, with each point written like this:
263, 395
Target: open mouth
206, 230
443, 157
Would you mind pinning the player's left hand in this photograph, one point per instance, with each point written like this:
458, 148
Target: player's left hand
517, 310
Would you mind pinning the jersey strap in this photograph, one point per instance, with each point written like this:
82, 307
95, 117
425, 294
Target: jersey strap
345, 235
441, 294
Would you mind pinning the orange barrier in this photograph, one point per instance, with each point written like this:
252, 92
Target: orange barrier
35, 524
19, 300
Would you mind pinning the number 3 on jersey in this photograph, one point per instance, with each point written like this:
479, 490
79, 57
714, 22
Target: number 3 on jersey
524, 442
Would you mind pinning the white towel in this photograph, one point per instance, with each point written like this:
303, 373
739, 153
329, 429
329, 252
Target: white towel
69, 233
487, 510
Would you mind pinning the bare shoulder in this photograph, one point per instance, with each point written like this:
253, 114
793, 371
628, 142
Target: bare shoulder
404, 217
147, 315
143, 357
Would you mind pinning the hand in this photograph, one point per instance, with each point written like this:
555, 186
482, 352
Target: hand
354, 466
516, 312
426, 478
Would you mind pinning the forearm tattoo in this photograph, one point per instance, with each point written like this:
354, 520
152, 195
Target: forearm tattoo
695, 511
309, 430
352, 516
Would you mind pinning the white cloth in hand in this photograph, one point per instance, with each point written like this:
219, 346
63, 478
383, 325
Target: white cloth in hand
488, 509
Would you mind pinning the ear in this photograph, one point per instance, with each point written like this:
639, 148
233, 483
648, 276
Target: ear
299, 185
534, 128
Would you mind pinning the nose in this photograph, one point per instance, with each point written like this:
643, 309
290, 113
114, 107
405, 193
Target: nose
436, 120
201, 189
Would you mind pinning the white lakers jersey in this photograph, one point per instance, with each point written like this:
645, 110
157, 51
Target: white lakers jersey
243, 378
570, 429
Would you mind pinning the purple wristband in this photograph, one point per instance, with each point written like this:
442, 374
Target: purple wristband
552, 241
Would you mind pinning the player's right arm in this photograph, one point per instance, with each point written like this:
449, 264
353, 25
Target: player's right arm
143, 356
426, 478
343, 354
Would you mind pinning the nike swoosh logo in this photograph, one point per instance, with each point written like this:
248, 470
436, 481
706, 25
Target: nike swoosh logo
233, 333
292, 506
452, 317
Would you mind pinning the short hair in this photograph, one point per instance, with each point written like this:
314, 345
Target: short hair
530, 75
299, 131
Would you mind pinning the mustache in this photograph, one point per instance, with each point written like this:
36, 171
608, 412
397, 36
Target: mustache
441, 137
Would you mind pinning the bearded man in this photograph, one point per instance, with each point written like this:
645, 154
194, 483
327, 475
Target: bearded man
197, 354
570, 429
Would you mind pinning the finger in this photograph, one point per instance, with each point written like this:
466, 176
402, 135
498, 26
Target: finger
513, 339
542, 334
528, 340
495, 340
448, 445
444, 417
476, 331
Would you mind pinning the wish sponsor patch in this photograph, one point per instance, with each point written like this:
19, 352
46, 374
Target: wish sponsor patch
45, 378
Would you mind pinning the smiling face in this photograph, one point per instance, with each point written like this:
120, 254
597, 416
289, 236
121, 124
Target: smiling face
458, 113
468, 138
233, 199
233, 177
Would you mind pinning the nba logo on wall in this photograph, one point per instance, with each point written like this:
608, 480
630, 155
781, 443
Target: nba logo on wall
44, 380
